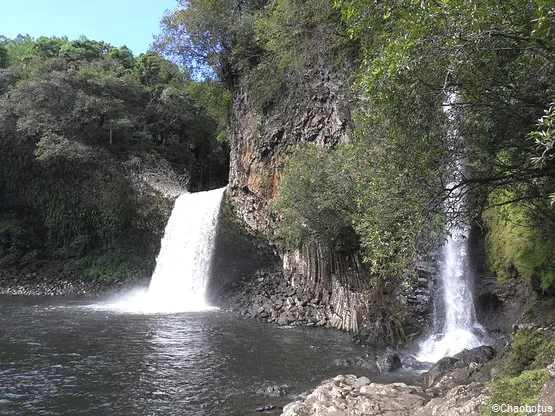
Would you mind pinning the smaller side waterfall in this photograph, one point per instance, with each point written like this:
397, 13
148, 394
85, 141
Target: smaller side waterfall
460, 327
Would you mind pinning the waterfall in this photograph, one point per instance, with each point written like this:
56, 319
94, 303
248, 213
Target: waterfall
458, 328
178, 283
183, 265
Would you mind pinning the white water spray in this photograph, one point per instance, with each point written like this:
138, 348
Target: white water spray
179, 280
460, 328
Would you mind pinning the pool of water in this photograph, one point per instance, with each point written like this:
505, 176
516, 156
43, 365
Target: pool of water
63, 356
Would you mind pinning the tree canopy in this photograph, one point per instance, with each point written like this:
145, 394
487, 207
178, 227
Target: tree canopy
77, 118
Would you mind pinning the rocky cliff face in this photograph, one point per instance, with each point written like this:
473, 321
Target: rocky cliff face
315, 109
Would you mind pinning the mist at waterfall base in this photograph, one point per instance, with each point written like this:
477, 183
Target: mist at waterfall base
183, 265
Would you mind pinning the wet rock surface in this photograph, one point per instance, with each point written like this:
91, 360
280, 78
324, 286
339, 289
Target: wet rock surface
269, 297
458, 370
347, 395
388, 362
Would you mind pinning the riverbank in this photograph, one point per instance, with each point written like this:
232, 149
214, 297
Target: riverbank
476, 382
269, 297
52, 282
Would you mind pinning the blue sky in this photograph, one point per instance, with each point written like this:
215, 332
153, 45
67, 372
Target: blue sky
118, 22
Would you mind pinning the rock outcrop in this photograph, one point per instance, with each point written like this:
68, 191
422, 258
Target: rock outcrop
316, 110
349, 395
461, 369
445, 391
269, 297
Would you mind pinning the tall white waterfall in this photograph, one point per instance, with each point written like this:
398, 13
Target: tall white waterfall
179, 280
458, 328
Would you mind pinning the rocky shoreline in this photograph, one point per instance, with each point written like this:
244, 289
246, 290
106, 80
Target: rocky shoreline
269, 297
54, 283
453, 386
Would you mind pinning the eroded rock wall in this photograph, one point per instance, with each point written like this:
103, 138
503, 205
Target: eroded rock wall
315, 109
339, 280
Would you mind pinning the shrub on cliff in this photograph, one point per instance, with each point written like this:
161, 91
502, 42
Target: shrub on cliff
316, 200
341, 198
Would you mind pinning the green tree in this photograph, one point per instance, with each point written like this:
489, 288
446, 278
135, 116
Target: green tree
20, 50
3, 57
317, 199
415, 55
84, 49
153, 70
49, 47
123, 55
210, 36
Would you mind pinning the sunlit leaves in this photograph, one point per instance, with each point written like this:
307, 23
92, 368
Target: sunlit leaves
544, 137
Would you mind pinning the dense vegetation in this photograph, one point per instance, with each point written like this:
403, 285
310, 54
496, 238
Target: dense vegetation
455, 102
493, 62
82, 124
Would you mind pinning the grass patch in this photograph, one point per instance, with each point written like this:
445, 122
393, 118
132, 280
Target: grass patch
531, 350
521, 390
524, 371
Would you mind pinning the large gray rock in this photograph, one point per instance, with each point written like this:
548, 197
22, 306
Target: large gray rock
457, 370
479, 355
352, 396
461, 400
349, 395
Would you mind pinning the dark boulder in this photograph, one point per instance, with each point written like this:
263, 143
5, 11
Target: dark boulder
438, 371
479, 355
388, 362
